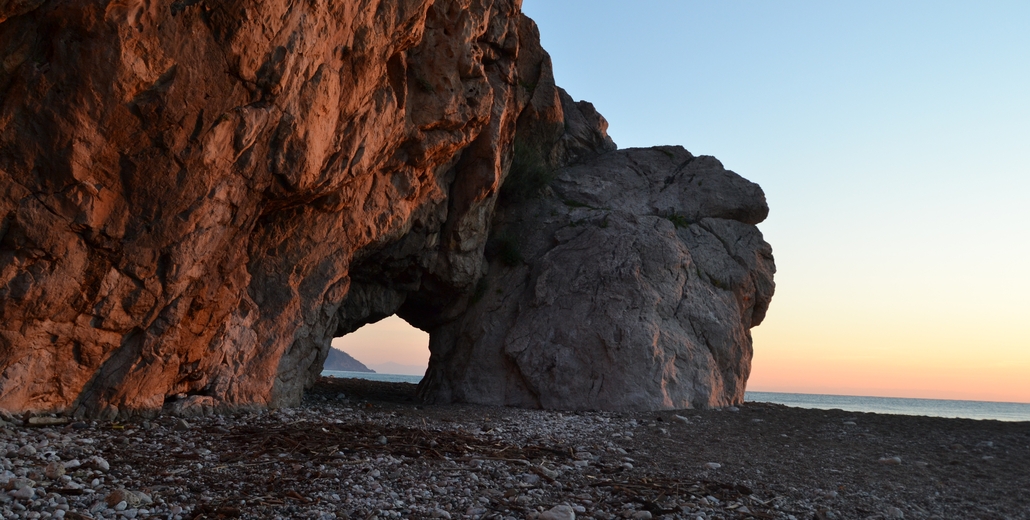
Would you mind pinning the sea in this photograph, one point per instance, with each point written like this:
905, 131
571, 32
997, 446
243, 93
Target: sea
890, 405
373, 376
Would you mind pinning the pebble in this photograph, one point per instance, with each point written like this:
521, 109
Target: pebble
895, 513
713, 465
98, 462
54, 470
890, 461
25, 493
560, 512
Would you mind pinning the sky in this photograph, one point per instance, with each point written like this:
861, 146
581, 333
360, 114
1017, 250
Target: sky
892, 140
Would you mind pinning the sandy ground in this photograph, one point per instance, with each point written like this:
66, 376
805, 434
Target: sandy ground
362, 449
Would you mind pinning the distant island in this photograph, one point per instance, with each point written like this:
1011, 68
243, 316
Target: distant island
344, 362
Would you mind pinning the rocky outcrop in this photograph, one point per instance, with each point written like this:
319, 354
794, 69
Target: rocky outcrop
190, 190
630, 281
340, 360
196, 197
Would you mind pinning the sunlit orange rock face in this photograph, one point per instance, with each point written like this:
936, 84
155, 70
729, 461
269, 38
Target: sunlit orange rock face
186, 186
197, 196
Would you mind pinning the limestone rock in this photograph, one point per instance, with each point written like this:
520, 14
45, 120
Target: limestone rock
630, 282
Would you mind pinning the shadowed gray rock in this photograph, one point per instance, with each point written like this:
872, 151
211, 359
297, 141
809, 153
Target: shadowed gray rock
631, 282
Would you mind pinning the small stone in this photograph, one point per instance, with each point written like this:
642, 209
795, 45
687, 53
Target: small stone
383, 440
20, 483
27, 450
440, 513
890, 461
117, 496
54, 470
642, 515
180, 425
681, 419
26, 493
713, 465
732, 409
121, 506
48, 421
895, 513
562, 512
98, 462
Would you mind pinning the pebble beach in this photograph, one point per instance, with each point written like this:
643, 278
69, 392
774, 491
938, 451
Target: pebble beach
364, 449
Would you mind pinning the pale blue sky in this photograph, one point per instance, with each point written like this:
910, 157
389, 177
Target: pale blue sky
893, 142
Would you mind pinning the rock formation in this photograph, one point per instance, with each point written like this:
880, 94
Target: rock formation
631, 281
196, 197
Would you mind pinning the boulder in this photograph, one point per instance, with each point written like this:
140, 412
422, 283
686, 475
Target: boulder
628, 282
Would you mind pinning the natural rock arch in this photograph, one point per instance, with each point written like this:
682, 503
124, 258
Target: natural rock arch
195, 202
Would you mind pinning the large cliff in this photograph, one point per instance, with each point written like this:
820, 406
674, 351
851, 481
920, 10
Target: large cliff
197, 196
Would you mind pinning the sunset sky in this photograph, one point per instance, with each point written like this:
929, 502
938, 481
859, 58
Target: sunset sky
893, 143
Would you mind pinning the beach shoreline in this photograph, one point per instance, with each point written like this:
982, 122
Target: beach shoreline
364, 449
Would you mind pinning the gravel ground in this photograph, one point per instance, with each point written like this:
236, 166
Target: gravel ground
362, 449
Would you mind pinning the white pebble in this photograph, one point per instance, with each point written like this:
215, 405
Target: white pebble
562, 512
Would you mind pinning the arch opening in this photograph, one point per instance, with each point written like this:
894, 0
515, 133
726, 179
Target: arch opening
388, 347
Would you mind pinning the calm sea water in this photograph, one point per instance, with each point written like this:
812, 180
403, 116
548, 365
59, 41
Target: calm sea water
389, 378
893, 405
900, 406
